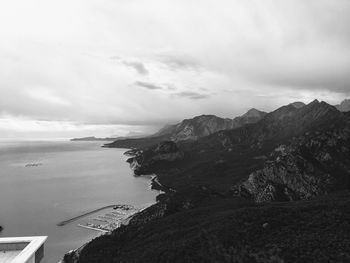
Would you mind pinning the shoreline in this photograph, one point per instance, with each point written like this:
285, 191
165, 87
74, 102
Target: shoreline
74, 253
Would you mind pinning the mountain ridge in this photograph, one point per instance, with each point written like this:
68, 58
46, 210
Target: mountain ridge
191, 129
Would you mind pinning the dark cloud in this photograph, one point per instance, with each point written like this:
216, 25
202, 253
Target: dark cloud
317, 81
171, 87
191, 95
329, 74
148, 85
138, 66
176, 62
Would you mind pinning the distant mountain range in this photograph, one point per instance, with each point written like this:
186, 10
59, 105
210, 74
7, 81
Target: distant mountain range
191, 129
130, 135
194, 128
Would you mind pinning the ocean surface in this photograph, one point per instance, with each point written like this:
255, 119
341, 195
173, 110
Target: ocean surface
71, 178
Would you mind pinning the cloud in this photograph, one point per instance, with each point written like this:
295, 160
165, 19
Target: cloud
14, 127
229, 56
191, 95
47, 96
148, 85
138, 66
179, 62
300, 68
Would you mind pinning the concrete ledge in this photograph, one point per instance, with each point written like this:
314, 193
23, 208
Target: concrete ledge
30, 249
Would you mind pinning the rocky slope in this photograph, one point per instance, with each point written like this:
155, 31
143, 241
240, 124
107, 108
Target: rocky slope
204, 125
311, 165
164, 153
200, 126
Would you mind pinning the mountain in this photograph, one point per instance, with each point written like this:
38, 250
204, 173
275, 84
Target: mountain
192, 129
197, 127
298, 104
234, 154
204, 125
243, 195
251, 116
285, 122
344, 105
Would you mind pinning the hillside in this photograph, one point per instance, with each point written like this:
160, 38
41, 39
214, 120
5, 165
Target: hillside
277, 190
230, 231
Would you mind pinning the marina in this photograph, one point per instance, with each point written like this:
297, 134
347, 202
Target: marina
114, 217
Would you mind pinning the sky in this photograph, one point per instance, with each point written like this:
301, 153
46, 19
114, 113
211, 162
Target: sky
73, 68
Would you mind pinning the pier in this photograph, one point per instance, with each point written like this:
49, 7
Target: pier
65, 222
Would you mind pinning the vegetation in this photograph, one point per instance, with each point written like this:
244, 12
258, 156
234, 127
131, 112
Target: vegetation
229, 230
208, 218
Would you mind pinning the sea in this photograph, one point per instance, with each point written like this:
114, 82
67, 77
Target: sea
44, 182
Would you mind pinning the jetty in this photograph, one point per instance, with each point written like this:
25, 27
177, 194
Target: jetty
65, 222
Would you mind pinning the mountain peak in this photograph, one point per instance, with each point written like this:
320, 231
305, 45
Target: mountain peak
314, 102
298, 104
253, 113
344, 105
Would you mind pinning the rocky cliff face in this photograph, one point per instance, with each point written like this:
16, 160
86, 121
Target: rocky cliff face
144, 161
200, 126
311, 165
204, 125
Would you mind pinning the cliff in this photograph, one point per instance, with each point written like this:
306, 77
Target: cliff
164, 153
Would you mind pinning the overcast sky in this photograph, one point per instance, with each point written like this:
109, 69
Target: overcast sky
108, 67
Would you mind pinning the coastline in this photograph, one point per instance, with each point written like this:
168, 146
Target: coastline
155, 185
73, 255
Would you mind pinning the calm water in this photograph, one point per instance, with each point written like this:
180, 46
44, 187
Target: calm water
74, 177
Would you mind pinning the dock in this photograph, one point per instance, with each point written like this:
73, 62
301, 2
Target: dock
65, 222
